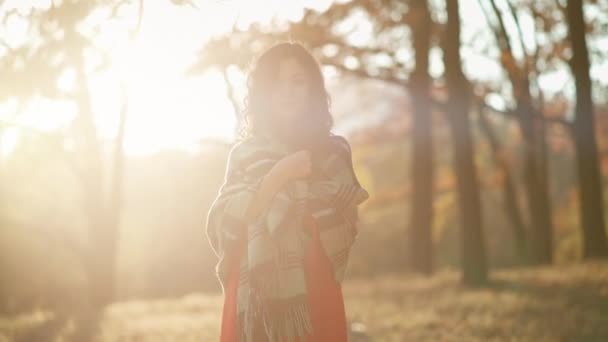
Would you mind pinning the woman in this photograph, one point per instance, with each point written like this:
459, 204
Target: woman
285, 218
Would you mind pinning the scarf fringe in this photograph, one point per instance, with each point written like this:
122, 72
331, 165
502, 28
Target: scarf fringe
296, 323
280, 326
280, 320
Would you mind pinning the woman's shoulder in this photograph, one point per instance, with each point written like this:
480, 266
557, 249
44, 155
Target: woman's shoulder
246, 143
343, 149
340, 144
241, 149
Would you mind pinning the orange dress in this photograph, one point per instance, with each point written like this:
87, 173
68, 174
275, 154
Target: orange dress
326, 303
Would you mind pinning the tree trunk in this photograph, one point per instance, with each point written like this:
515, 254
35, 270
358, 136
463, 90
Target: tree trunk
535, 172
536, 186
511, 207
420, 244
459, 99
102, 216
591, 202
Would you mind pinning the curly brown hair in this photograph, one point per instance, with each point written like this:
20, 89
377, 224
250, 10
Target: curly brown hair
317, 121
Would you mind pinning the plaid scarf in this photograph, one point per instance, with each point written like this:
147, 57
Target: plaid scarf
272, 279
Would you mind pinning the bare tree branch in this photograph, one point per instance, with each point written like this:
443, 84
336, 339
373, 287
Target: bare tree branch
514, 114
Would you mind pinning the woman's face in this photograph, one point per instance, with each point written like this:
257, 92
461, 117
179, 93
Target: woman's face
290, 94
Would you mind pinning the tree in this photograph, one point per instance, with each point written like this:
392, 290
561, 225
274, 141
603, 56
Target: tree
422, 143
531, 125
591, 202
458, 107
66, 46
511, 206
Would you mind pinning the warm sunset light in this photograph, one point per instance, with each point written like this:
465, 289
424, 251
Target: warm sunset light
412, 170
167, 109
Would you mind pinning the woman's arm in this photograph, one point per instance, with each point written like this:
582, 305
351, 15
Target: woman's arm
291, 167
240, 202
270, 185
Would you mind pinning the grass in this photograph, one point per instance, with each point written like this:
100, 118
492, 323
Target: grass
565, 303
569, 303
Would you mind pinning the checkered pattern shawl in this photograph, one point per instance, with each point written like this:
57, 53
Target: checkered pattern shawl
272, 281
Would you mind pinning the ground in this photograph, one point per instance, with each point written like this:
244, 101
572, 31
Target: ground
565, 303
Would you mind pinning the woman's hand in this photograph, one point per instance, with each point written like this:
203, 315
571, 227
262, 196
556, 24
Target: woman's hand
294, 166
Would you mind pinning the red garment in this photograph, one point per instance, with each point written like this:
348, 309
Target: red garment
326, 303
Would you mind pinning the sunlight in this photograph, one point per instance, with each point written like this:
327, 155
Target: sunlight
8, 141
166, 110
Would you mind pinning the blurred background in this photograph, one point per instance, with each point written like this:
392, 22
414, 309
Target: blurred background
479, 127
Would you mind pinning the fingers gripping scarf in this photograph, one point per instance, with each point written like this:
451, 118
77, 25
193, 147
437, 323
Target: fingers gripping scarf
272, 280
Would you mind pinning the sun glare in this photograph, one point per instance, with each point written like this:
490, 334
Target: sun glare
166, 109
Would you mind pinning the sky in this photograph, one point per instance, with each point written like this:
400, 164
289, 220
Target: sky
169, 110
